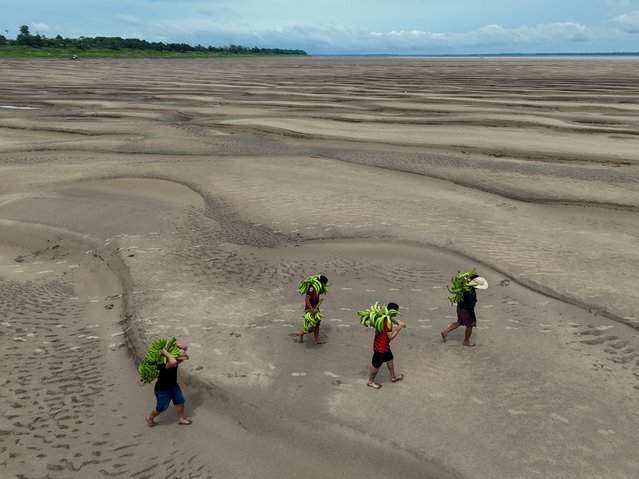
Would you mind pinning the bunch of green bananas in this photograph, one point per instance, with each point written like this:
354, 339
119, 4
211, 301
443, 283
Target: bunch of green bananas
378, 316
149, 368
313, 281
311, 320
461, 284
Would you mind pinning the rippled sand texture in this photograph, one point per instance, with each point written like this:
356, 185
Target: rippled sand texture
145, 198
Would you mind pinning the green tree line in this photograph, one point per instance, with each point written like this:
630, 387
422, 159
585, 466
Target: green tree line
26, 39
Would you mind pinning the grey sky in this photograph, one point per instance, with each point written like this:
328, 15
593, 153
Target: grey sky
357, 26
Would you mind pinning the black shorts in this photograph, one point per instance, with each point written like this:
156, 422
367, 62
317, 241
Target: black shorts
381, 358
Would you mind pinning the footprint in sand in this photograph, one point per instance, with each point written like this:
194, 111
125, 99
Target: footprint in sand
558, 417
517, 412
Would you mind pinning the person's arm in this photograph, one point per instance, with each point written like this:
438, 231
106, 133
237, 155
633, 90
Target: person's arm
309, 307
392, 334
472, 303
182, 346
170, 360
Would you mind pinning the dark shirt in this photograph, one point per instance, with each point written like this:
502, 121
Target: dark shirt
314, 296
167, 378
469, 301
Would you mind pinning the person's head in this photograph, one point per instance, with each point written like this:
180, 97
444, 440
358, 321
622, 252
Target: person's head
473, 276
392, 306
323, 279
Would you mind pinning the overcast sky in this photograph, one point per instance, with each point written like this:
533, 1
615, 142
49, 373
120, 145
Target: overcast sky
344, 26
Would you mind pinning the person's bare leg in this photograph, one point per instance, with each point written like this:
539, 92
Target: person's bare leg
371, 380
391, 369
182, 419
452, 326
150, 419
316, 335
469, 331
300, 336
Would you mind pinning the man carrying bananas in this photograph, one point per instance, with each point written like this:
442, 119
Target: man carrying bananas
381, 349
312, 316
167, 388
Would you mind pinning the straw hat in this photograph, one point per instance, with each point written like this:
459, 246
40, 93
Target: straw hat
479, 283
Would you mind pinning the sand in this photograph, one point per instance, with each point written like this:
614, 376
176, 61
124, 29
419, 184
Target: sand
150, 198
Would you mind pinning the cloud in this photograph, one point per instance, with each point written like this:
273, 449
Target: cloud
129, 20
627, 22
490, 35
620, 5
39, 27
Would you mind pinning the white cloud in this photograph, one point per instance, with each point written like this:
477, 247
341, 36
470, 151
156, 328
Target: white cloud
129, 20
490, 35
627, 22
39, 27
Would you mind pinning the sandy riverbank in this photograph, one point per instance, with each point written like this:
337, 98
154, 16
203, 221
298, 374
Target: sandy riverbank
151, 198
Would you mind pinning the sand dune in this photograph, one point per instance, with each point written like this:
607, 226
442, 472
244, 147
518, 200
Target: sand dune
150, 198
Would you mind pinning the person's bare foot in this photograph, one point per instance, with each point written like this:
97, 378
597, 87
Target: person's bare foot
469, 344
300, 337
320, 341
443, 337
150, 422
184, 421
399, 377
374, 385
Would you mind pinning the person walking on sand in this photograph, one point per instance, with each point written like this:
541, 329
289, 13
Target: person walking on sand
466, 310
167, 388
382, 352
311, 304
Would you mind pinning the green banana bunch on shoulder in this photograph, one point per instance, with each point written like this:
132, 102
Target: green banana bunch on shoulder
149, 368
460, 284
313, 281
378, 317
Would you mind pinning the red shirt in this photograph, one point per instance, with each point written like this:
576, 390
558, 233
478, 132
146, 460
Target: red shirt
381, 343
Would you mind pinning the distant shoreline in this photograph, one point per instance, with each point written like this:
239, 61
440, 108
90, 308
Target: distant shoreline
629, 55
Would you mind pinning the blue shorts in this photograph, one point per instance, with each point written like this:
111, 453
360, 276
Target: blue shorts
165, 396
